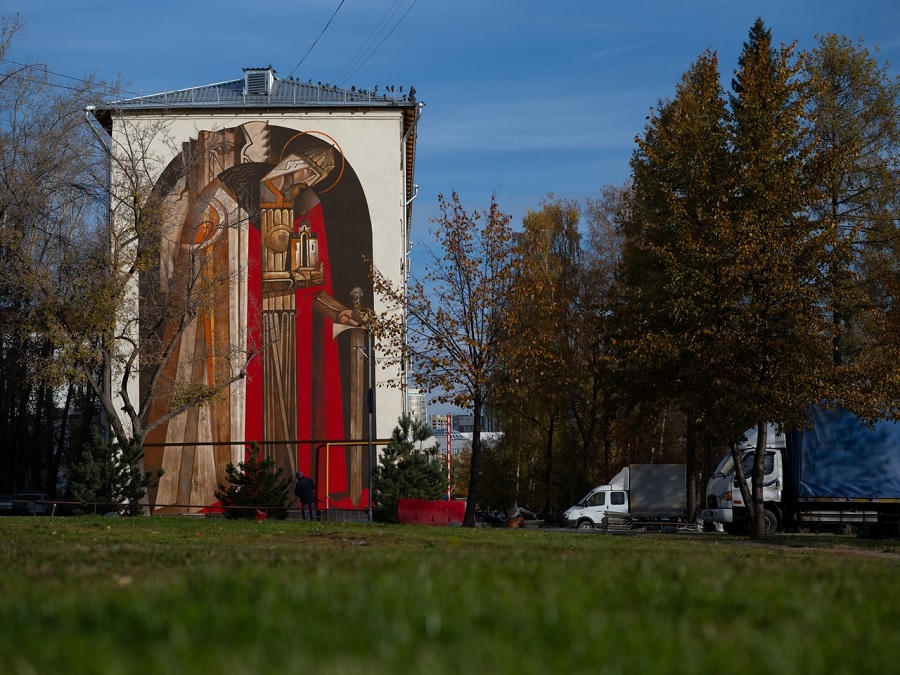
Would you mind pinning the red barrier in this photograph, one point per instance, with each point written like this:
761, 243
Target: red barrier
424, 512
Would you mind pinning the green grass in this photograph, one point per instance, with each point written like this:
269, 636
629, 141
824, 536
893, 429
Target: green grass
184, 595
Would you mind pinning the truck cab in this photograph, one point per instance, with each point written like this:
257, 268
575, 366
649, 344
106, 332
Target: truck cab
589, 512
724, 503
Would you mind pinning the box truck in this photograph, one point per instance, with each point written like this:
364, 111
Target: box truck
839, 472
646, 495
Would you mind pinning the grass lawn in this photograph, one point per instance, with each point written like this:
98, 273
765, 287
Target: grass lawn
193, 595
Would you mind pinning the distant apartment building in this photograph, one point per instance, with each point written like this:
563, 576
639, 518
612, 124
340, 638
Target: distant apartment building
461, 423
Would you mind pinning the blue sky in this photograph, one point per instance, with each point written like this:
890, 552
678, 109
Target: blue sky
523, 98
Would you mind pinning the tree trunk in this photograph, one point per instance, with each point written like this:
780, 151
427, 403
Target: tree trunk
758, 523
691, 467
548, 463
741, 478
475, 466
607, 454
707, 468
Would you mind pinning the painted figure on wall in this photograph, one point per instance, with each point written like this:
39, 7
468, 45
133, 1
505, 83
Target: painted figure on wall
277, 222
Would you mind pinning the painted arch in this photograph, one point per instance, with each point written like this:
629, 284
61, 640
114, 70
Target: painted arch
275, 223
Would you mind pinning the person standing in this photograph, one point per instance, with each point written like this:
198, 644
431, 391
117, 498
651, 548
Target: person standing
306, 493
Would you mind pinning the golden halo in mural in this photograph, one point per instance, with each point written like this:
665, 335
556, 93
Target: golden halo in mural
334, 143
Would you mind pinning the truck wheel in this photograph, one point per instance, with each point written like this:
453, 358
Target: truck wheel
771, 522
585, 525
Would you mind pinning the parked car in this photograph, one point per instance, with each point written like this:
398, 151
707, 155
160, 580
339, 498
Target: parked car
6, 505
35, 503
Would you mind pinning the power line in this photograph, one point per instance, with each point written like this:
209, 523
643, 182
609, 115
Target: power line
40, 66
356, 62
378, 27
389, 14
340, 4
44, 69
34, 80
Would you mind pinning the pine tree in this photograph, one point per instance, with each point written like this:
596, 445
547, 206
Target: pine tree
254, 485
110, 476
405, 471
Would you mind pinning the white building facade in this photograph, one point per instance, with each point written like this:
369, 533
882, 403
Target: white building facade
275, 194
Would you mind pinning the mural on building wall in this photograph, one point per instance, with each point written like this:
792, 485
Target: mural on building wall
276, 222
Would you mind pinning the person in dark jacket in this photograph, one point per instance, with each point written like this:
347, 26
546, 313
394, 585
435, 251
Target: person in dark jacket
306, 493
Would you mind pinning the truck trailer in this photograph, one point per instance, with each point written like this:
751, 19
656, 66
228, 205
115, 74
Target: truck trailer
838, 473
647, 495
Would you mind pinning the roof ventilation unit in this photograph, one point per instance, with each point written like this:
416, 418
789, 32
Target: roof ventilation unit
258, 81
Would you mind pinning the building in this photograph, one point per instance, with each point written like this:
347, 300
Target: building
458, 442
273, 194
464, 423
438, 422
416, 402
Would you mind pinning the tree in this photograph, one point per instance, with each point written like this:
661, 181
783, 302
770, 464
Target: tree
671, 313
790, 258
120, 323
110, 476
510, 476
591, 403
455, 317
535, 376
555, 365
735, 318
460, 471
83, 220
254, 484
50, 205
854, 122
405, 471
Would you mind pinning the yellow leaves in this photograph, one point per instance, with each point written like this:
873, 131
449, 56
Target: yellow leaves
189, 394
452, 318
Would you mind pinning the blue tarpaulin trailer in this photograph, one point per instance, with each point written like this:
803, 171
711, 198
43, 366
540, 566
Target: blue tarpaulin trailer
843, 470
840, 457
838, 471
